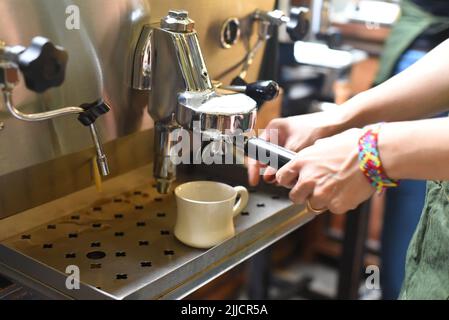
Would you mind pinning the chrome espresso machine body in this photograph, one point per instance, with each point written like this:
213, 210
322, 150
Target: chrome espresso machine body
136, 71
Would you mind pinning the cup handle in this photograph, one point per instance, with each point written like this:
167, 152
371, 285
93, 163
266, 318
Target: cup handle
243, 201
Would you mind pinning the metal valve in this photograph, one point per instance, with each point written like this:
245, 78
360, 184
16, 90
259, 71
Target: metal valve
297, 23
297, 27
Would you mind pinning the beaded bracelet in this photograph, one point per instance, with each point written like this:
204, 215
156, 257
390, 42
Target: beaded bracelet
369, 160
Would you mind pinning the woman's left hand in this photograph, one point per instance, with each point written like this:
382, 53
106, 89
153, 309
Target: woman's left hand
327, 174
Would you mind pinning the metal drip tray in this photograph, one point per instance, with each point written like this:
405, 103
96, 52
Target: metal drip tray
124, 247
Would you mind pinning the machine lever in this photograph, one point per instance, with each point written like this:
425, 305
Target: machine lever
260, 91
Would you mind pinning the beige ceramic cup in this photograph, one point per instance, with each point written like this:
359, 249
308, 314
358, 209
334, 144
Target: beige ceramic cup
205, 212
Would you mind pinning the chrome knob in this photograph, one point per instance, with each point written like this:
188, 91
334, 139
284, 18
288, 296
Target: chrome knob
177, 21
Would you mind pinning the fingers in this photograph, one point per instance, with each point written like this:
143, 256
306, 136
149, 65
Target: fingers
301, 191
253, 172
269, 175
288, 174
254, 167
319, 200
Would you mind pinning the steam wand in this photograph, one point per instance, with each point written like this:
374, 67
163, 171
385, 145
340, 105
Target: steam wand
43, 66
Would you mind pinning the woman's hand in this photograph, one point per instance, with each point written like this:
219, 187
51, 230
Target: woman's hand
327, 174
295, 133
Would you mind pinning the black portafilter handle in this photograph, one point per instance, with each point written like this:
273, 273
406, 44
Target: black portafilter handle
260, 91
42, 64
264, 152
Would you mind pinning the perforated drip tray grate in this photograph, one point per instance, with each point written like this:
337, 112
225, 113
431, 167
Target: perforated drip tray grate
124, 246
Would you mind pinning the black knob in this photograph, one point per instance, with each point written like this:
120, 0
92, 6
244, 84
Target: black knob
299, 24
92, 111
43, 65
262, 91
333, 37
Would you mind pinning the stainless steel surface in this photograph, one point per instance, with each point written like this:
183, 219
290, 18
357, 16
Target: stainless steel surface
275, 17
42, 116
177, 21
34, 117
141, 78
176, 65
101, 158
164, 170
125, 248
101, 56
226, 114
181, 91
42, 183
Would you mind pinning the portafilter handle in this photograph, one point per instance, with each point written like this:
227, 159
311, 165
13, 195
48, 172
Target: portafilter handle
264, 151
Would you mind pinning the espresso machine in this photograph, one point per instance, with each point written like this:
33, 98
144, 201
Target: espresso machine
132, 78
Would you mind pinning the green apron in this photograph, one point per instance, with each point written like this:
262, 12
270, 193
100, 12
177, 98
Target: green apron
427, 262
413, 22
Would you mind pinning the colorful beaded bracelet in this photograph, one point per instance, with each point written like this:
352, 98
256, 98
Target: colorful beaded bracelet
369, 160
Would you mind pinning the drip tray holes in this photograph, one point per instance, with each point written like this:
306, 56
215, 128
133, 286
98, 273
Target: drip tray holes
96, 225
96, 209
158, 199
141, 224
70, 255
26, 237
165, 232
72, 235
51, 227
138, 207
119, 234
245, 213
96, 255
137, 193
169, 252
145, 264
118, 216
143, 243
118, 200
47, 246
261, 205
121, 276
120, 254
161, 214
75, 217
95, 244
95, 265
275, 197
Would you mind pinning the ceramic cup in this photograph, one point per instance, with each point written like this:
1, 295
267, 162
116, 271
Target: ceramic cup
205, 212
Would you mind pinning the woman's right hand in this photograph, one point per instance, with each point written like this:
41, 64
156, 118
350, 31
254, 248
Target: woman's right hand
295, 133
